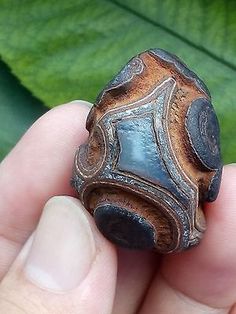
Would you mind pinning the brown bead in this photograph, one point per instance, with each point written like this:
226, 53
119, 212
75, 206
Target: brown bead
152, 157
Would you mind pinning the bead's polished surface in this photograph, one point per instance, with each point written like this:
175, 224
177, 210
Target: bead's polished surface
153, 155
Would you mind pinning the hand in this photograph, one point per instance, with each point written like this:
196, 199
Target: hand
64, 265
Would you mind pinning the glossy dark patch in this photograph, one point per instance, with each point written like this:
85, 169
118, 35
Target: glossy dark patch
124, 228
133, 67
140, 155
181, 67
214, 186
203, 130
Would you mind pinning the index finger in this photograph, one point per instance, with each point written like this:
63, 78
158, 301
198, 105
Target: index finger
38, 167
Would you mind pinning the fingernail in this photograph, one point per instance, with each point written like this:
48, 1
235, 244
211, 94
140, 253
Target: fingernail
82, 102
63, 248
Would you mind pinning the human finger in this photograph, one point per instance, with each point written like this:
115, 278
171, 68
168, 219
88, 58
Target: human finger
67, 266
204, 276
37, 168
135, 272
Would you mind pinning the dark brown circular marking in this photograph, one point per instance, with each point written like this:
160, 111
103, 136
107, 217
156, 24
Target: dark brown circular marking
203, 130
133, 67
124, 228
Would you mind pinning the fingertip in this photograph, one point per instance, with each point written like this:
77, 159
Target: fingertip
207, 271
70, 117
67, 266
82, 103
81, 107
38, 167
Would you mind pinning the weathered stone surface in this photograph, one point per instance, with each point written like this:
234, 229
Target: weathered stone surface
152, 157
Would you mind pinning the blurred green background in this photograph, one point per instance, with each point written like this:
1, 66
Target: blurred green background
56, 51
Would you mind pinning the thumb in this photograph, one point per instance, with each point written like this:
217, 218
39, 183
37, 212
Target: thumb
65, 267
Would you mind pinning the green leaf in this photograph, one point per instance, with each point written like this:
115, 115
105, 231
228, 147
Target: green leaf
64, 50
18, 110
204, 24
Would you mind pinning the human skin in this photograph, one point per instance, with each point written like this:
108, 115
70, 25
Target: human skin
96, 277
